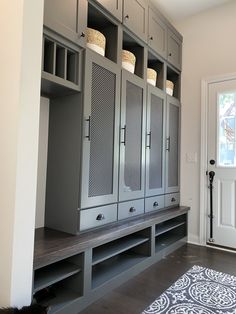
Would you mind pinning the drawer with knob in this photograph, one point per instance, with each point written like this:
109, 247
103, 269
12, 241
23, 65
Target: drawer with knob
172, 199
154, 203
130, 209
96, 217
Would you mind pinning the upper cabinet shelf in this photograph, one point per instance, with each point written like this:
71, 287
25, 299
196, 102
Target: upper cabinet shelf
157, 33
67, 18
135, 17
174, 56
107, 26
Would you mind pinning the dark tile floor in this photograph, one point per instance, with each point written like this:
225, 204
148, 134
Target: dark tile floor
137, 293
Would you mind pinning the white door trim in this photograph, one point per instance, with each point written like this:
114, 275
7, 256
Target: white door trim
203, 146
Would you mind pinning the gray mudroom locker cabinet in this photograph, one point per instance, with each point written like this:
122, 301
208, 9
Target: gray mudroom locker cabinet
113, 150
112, 190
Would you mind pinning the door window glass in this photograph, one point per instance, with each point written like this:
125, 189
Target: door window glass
226, 130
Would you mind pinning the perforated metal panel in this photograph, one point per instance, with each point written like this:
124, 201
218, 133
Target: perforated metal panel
133, 147
102, 131
173, 164
156, 127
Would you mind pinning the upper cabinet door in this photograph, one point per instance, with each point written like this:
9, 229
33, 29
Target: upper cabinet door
132, 137
172, 145
99, 184
135, 17
154, 142
67, 18
174, 50
157, 34
113, 6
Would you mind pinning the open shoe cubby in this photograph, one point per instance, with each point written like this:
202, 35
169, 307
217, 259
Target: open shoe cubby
60, 67
170, 231
102, 23
111, 259
174, 76
58, 284
157, 64
134, 46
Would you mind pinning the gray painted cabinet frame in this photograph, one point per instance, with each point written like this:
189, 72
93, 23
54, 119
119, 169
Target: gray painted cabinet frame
91, 59
172, 145
155, 138
135, 82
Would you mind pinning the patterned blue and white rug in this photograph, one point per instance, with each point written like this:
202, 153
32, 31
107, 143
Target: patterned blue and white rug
199, 291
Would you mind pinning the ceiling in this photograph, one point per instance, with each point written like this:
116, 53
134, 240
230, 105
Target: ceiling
177, 10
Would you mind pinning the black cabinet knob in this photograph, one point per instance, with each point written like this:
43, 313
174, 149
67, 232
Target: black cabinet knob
212, 162
100, 217
155, 204
151, 38
82, 34
127, 16
132, 210
170, 54
173, 199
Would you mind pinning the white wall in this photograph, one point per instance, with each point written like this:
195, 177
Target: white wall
20, 71
209, 49
42, 162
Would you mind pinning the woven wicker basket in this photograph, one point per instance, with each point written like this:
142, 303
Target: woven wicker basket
128, 60
169, 87
151, 76
96, 41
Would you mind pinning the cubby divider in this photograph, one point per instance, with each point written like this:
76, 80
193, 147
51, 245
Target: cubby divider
60, 72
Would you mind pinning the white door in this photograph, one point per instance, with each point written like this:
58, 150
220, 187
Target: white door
221, 159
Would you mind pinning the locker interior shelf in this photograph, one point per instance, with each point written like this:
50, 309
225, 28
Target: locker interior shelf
99, 21
166, 239
51, 274
113, 248
157, 64
167, 227
130, 44
63, 298
174, 76
110, 268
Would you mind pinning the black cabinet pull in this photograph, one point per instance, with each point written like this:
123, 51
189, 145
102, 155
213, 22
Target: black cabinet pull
168, 144
82, 34
132, 209
100, 217
173, 199
126, 16
155, 204
170, 54
88, 136
151, 38
124, 135
149, 135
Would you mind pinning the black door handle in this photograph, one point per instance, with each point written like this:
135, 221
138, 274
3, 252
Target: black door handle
211, 176
211, 179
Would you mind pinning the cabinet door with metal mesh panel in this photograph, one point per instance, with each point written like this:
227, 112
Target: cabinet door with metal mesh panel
132, 137
156, 106
172, 145
99, 184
